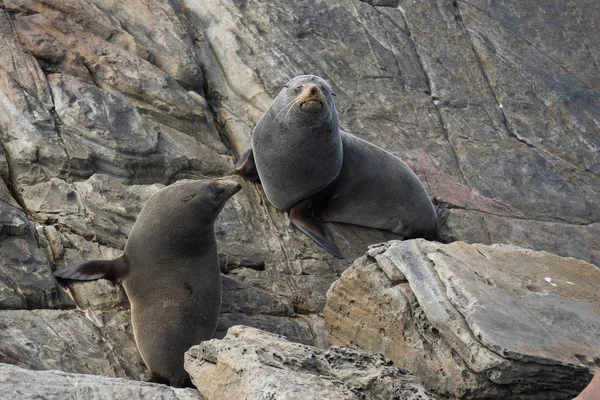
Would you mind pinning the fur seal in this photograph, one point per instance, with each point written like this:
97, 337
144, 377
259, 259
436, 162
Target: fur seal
371, 187
296, 144
170, 272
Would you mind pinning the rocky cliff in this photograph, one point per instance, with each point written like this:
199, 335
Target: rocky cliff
495, 106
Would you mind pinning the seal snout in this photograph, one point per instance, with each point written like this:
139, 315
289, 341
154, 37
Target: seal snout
228, 186
311, 99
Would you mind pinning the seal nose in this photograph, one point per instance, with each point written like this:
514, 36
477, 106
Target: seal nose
313, 89
229, 185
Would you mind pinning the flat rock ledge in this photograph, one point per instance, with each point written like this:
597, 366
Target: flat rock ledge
473, 321
252, 364
18, 383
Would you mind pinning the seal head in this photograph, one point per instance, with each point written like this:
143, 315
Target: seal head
296, 145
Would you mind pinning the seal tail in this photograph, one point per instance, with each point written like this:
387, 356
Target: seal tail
112, 270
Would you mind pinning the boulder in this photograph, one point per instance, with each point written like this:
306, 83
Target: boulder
473, 321
70, 342
23, 384
251, 364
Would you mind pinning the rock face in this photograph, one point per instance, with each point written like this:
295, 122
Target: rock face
22, 384
473, 321
252, 364
68, 341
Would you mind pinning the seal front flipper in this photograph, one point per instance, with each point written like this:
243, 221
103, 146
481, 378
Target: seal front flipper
246, 168
303, 218
112, 270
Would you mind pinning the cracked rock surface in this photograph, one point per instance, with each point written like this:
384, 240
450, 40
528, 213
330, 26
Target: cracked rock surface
252, 364
20, 383
473, 321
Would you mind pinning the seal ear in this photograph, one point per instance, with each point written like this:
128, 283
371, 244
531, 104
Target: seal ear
112, 270
304, 219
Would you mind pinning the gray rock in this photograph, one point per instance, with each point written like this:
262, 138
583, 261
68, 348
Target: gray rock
161, 28
26, 279
68, 341
22, 384
473, 321
252, 364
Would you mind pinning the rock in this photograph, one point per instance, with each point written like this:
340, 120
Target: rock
68, 341
21, 384
162, 29
295, 329
29, 139
592, 391
26, 279
473, 321
118, 140
252, 364
553, 237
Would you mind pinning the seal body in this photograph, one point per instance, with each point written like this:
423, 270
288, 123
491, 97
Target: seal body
377, 189
296, 144
170, 272
317, 172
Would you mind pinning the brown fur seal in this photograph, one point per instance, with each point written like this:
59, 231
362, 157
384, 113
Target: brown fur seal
170, 272
371, 187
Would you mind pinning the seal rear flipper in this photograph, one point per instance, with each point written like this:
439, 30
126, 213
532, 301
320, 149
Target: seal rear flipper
112, 270
246, 167
303, 218
442, 215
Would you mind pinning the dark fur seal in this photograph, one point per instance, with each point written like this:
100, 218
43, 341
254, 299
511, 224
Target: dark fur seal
170, 272
297, 145
297, 160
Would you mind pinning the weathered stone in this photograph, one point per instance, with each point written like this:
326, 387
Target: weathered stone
26, 279
592, 391
294, 329
120, 141
161, 28
22, 384
554, 237
29, 138
495, 320
68, 341
124, 74
252, 364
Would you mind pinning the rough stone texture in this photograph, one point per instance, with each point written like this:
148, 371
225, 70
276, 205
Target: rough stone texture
473, 321
22, 384
26, 279
592, 391
252, 364
67, 340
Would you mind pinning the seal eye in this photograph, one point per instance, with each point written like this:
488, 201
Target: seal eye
189, 197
